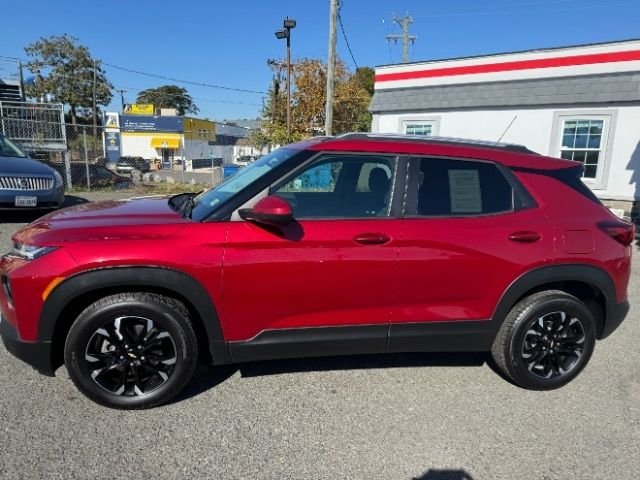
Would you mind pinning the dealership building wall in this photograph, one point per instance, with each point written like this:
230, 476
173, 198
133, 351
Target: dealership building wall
577, 102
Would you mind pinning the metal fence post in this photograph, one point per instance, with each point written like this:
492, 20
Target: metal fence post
183, 149
212, 165
67, 168
86, 157
2, 119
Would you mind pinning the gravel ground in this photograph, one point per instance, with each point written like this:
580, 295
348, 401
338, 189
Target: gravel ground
428, 417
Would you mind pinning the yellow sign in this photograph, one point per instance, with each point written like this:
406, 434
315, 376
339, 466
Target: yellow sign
196, 129
139, 109
166, 141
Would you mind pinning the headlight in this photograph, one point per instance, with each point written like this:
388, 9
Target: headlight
58, 180
29, 252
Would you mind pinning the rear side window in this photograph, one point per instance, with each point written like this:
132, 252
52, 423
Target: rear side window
462, 188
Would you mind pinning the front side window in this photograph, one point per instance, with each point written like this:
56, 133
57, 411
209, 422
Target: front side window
321, 178
462, 188
583, 141
340, 186
211, 200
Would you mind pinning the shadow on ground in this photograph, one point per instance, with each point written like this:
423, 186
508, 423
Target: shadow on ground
433, 474
28, 216
207, 377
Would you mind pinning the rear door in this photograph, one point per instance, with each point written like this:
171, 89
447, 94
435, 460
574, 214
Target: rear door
470, 230
324, 283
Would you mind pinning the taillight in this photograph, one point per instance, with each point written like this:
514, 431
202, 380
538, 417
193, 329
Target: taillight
622, 232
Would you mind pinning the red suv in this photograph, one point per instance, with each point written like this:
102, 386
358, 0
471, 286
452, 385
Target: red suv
342, 245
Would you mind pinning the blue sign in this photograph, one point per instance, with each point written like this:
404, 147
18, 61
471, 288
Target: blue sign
112, 146
150, 123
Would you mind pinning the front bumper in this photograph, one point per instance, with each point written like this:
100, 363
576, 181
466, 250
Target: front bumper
53, 198
36, 354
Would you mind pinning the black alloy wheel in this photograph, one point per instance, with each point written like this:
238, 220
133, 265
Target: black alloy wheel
130, 356
132, 350
545, 340
553, 344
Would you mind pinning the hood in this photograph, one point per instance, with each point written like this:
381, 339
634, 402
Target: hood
23, 166
107, 220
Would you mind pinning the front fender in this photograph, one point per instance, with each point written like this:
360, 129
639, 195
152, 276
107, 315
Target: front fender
162, 278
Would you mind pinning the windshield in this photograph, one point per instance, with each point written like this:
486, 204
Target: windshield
209, 201
8, 149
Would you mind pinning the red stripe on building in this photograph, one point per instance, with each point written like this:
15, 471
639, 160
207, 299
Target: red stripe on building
589, 59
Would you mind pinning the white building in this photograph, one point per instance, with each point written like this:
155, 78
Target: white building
581, 103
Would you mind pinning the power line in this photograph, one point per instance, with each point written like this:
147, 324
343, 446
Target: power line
484, 7
346, 40
391, 32
189, 82
543, 9
132, 89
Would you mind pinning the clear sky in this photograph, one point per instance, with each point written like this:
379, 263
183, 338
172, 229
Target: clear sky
227, 43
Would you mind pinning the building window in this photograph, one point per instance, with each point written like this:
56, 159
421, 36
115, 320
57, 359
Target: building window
418, 128
584, 140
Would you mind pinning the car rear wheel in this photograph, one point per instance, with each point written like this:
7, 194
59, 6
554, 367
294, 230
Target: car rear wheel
545, 340
132, 350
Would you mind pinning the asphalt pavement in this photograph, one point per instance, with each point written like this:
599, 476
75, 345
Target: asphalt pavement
427, 417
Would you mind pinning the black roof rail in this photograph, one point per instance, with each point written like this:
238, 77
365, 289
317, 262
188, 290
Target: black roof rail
462, 142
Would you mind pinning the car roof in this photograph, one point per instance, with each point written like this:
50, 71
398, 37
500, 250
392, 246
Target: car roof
511, 155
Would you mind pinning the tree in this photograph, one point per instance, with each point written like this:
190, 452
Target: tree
274, 119
65, 72
365, 77
359, 116
352, 94
169, 96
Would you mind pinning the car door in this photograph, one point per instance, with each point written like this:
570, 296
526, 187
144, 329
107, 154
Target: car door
324, 283
470, 230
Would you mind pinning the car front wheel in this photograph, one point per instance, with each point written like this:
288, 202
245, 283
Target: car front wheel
545, 340
132, 350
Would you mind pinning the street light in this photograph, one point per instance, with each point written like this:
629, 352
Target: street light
281, 34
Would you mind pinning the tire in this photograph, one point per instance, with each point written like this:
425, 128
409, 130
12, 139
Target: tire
132, 350
545, 341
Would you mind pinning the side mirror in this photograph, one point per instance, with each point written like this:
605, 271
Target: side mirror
268, 211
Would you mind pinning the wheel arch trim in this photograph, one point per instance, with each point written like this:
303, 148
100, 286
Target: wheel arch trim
588, 274
164, 278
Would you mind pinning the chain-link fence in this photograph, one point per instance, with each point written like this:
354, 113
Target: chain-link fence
101, 158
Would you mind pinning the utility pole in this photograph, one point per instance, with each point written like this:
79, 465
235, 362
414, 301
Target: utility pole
121, 91
95, 103
331, 64
279, 66
289, 86
404, 23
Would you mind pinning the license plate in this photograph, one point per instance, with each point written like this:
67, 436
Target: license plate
26, 201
